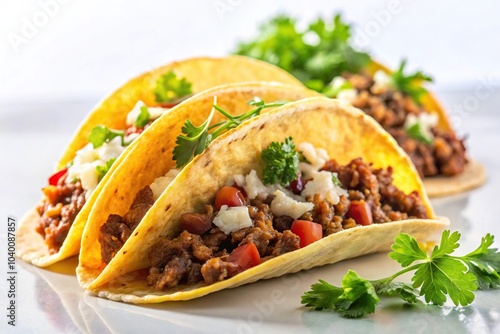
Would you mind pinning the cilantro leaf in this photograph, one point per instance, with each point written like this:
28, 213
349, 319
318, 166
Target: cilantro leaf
406, 250
403, 290
143, 117
410, 84
103, 170
415, 131
314, 55
101, 134
322, 296
280, 162
169, 88
335, 180
359, 297
197, 139
484, 263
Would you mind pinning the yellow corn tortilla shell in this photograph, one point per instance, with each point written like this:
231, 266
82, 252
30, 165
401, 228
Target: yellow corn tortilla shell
203, 73
474, 174
150, 157
472, 177
343, 131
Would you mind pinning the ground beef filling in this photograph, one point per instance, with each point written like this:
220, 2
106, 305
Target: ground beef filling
445, 156
193, 258
58, 210
117, 229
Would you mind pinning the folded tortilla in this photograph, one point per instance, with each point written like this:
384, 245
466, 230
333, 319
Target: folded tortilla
202, 73
344, 132
151, 157
474, 174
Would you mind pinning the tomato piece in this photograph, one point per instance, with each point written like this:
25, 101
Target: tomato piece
246, 256
229, 196
54, 178
297, 185
307, 231
195, 223
361, 212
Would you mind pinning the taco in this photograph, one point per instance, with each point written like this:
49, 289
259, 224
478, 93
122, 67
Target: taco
313, 182
52, 230
325, 59
152, 164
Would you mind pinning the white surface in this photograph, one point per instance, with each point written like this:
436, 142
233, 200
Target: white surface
51, 302
87, 48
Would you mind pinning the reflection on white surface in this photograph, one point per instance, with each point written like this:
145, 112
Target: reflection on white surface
50, 300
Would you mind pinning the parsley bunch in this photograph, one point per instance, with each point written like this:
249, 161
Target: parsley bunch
281, 162
315, 55
197, 138
435, 277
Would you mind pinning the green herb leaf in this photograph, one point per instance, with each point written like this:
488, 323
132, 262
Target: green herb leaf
416, 132
103, 170
198, 138
335, 180
410, 84
101, 134
402, 290
314, 55
169, 88
322, 296
359, 297
143, 117
406, 250
484, 263
280, 162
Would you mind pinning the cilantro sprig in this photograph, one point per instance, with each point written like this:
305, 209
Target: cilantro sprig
314, 55
101, 134
410, 83
103, 170
143, 118
436, 276
280, 162
170, 88
416, 132
196, 138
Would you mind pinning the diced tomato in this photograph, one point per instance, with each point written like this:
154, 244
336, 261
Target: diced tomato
307, 231
246, 256
195, 223
134, 129
243, 192
361, 212
229, 196
169, 104
54, 178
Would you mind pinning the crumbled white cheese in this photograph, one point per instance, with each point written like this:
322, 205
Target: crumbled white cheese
337, 83
347, 95
323, 185
251, 183
282, 205
383, 81
161, 183
315, 156
426, 120
231, 219
154, 112
88, 158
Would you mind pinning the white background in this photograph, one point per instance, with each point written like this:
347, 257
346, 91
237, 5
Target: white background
85, 49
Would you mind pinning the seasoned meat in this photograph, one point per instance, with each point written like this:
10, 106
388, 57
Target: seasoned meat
117, 229
58, 211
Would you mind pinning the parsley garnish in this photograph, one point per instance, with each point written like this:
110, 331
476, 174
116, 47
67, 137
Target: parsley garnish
102, 170
143, 117
436, 276
196, 139
281, 162
169, 88
410, 84
415, 131
101, 134
315, 55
